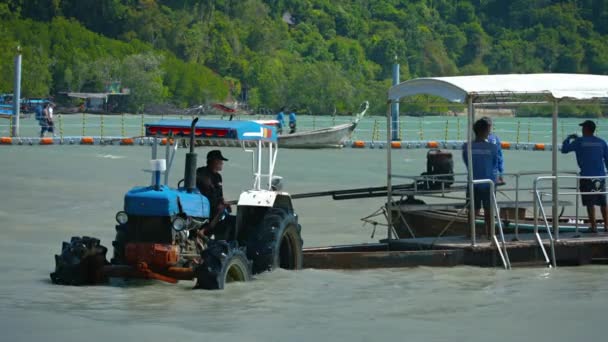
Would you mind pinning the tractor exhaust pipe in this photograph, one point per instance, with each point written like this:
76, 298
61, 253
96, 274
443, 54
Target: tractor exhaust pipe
190, 171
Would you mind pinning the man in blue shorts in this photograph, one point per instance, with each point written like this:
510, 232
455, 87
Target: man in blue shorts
592, 159
485, 163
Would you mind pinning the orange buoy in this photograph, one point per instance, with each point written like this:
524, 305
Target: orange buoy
505, 145
46, 141
6, 140
359, 143
87, 141
127, 141
395, 144
432, 144
164, 141
539, 147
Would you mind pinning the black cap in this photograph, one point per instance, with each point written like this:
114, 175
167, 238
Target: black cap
215, 155
487, 119
589, 124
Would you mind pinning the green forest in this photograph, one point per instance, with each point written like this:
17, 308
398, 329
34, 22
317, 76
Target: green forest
315, 56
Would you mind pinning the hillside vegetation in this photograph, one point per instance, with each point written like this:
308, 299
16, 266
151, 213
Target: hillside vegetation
322, 56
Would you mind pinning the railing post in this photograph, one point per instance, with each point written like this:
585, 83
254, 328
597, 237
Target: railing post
470, 118
517, 206
538, 239
389, 175
578, 186
555, 184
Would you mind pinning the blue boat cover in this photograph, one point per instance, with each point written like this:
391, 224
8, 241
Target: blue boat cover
6, 109
146, 201
213, 130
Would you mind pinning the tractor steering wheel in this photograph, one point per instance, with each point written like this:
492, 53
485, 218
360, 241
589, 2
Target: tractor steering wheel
180, 183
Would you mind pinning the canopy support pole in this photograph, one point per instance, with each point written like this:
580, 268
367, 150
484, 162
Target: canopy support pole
389, 188
470, 119
555, 192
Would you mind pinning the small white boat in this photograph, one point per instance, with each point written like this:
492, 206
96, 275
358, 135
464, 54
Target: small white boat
329, 137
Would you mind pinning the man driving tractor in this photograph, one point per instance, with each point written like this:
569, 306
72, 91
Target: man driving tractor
209, 183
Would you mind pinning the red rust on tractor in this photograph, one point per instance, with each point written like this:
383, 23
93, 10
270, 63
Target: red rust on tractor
154, 254
151, 261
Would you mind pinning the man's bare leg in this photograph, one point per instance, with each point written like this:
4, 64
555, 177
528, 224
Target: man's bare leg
604, 210
591, 215
487, 217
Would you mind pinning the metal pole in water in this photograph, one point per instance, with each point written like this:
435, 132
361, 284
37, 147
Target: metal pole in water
60, 127
101, 127
395, 105
142, 124
16, 94
122, 125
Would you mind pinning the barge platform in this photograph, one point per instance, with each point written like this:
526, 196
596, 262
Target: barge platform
571, 249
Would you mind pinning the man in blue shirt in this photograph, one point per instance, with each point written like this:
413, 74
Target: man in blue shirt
493, 139
592, 159
281, 120
292, 122
485, 162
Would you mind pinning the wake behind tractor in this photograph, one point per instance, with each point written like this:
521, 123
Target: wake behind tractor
162, 232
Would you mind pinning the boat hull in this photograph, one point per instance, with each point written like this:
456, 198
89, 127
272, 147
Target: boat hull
433, 223
331, 137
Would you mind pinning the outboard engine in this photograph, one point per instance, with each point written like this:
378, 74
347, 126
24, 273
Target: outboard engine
438, 162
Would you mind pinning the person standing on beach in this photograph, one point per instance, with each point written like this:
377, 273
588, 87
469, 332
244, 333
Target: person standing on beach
493, 139
592, 159
485, 160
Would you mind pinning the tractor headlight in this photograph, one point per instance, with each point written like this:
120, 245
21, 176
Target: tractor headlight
122, 217
180, 223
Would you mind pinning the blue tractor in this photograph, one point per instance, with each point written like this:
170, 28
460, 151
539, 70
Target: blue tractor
166, 233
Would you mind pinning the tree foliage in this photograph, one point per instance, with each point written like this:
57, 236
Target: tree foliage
316, 55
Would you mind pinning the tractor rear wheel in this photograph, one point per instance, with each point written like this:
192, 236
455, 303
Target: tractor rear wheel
223, 263
275, 242
81, 262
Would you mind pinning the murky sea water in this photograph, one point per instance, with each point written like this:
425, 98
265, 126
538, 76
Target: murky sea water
48, 194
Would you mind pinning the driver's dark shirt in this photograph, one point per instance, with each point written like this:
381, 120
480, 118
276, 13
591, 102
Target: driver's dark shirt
210, 185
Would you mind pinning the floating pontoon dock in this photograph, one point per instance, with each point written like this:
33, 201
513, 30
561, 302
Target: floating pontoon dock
547, 245
571, 249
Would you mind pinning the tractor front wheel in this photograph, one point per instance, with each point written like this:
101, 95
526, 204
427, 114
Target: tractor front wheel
223, 263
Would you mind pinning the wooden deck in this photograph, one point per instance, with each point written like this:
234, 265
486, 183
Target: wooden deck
571, 249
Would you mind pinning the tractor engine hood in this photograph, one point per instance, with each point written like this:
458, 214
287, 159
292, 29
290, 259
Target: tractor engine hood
146, 201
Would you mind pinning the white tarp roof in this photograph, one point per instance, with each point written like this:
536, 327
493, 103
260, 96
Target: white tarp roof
456, 88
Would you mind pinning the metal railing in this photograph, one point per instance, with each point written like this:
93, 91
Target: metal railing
494, 212
539, 205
